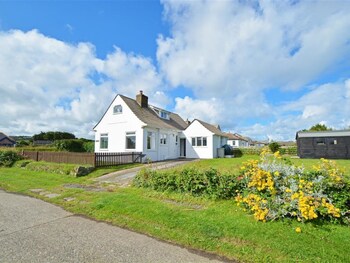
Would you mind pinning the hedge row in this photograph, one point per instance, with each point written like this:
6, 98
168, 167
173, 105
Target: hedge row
238, 152
210, 183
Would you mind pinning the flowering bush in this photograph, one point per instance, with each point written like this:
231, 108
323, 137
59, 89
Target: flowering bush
276, 189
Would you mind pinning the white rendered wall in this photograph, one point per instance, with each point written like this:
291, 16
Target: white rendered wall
116, 125
198, 130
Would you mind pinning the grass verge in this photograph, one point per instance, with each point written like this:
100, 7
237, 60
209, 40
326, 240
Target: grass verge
215, 226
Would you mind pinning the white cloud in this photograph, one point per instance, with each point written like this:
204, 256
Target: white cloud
47, 84
234, 51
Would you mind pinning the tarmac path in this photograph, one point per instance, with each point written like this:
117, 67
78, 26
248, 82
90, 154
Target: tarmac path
32, 230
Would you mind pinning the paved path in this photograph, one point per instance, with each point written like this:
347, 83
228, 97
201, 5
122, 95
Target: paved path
32, 230
124, 177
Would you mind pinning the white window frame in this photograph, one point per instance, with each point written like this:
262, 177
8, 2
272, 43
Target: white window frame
118, 109
104, 136
129, 134
199, 141
152, 143
163, 138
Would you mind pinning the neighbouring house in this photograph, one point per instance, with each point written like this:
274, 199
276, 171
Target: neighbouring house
258, 144
132, 125
324, 144
236, 140
6, 141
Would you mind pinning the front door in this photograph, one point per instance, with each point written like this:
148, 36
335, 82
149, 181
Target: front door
182, 147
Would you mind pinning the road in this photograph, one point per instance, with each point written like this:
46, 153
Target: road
32, 230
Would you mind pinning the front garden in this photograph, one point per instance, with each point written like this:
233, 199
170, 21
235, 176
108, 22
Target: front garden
195, 206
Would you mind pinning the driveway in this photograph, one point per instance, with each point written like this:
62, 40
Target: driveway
32, 230
124, 177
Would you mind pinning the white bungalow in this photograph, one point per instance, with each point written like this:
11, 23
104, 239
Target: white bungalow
131, 125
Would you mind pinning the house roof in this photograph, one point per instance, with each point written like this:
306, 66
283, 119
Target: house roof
148, 116
232, 136
211, 128
4, 136
308, 134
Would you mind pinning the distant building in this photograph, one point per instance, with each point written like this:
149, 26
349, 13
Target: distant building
6, 141
236, 141
324, 144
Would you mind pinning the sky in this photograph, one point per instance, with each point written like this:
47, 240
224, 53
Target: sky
264, 69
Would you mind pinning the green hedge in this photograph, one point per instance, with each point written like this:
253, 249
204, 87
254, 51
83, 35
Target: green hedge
238, 152
209, 183
8, 158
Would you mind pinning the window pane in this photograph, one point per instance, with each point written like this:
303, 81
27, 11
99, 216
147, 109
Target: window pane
199, 141
193, 141
130, 140
104, 141
204, 141
150, 141
117, 109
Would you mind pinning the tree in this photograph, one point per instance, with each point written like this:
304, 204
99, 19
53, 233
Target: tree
320, 127
53, 136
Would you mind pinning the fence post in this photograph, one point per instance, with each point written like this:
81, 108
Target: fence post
94, 159
37, 156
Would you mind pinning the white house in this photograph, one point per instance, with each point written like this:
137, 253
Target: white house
131, 125
236, 140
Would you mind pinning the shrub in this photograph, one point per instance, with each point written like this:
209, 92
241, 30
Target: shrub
8, 158
89, 146
275, 189
73, 145
274, 147
209, 183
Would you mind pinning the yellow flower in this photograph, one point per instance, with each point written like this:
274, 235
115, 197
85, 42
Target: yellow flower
298, 230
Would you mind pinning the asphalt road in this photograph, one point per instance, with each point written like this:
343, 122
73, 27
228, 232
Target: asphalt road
32, 230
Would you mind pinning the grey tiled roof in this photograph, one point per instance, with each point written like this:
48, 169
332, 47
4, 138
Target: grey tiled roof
212, 128
4, 136
148, 116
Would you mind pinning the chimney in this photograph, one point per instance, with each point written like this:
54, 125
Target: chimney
142, 100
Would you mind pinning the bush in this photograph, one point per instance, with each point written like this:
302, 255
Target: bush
274, 147
275, 189
290, 150
57, 168
89, 146
8, 158
209, 183
74, 145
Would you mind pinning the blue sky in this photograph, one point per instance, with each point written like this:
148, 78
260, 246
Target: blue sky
263, 72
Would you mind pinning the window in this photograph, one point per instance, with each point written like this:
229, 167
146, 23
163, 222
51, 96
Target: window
199, 141
320, 141
117, 109
130, 140
104, 141
204, 141
151, 144
333, 141
163, 139
164, 115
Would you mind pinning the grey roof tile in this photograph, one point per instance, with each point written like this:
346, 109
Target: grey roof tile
148, 116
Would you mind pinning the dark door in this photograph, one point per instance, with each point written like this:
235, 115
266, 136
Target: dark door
182, 147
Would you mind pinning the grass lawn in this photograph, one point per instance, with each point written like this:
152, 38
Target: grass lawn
215, 226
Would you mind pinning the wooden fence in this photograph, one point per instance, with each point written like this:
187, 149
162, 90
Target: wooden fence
94, 159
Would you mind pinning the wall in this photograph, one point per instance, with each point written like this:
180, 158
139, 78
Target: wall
116, 125
308, 147
198, 130
170, 150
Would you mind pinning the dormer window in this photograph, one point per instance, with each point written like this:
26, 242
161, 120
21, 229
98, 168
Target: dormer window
118, 109
164, 115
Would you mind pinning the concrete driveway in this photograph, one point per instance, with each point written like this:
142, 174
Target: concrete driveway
124, 177
32, 230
